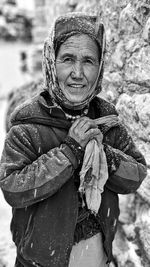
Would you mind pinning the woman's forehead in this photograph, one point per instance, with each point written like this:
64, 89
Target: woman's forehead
80, 44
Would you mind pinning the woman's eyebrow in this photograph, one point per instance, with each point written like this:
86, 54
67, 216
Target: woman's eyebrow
73, 56
90, 57
67, 55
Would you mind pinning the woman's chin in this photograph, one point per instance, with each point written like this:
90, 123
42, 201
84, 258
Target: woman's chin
76, 100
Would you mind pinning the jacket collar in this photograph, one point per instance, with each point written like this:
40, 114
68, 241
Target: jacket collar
46, 102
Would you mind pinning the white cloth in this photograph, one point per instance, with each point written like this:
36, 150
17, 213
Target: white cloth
94, 174
88, 253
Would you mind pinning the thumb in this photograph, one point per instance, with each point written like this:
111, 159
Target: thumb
99, 138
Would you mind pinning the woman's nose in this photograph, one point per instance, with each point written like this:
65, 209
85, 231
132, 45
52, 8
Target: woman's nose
77, 70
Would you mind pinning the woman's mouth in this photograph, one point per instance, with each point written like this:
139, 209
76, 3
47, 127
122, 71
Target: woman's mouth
76, 85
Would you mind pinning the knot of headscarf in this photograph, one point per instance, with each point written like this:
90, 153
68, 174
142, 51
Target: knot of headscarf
94, 171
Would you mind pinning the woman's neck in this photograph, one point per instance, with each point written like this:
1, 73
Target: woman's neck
72, 112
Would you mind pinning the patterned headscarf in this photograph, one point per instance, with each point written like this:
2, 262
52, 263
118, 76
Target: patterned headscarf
64, 27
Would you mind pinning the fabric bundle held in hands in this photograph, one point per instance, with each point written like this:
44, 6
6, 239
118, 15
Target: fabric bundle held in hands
94, 172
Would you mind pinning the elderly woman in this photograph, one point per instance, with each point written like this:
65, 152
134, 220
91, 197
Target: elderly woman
67, 157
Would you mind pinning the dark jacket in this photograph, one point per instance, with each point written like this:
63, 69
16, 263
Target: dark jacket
37, 177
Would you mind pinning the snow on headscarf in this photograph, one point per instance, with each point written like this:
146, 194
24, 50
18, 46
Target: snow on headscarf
64, 27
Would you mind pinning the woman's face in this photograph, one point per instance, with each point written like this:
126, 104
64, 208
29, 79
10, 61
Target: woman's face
77, 65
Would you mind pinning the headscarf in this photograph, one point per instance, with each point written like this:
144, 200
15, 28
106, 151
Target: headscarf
64, 27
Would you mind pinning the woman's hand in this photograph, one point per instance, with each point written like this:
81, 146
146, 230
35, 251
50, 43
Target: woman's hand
83, 130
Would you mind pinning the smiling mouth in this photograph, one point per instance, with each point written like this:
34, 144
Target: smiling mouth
76, 85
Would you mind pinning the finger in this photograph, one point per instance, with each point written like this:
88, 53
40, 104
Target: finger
86, 121
88, 125
75, 123
99, 138
92, 133
80, 121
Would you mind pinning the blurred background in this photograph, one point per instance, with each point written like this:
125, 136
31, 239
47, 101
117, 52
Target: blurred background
24, 24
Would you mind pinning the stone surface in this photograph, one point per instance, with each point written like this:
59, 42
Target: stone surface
134, 111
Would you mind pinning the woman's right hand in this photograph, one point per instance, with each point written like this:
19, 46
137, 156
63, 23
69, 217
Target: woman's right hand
83, 130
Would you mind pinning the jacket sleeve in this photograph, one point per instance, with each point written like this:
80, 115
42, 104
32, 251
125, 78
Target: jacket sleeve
126, 165
25, 177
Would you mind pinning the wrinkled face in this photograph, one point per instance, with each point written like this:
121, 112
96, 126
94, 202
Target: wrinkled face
77, 65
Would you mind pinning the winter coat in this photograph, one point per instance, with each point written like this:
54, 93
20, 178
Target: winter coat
38, 173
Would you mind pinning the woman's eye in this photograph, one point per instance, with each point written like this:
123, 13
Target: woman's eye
68, 59
89, 61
